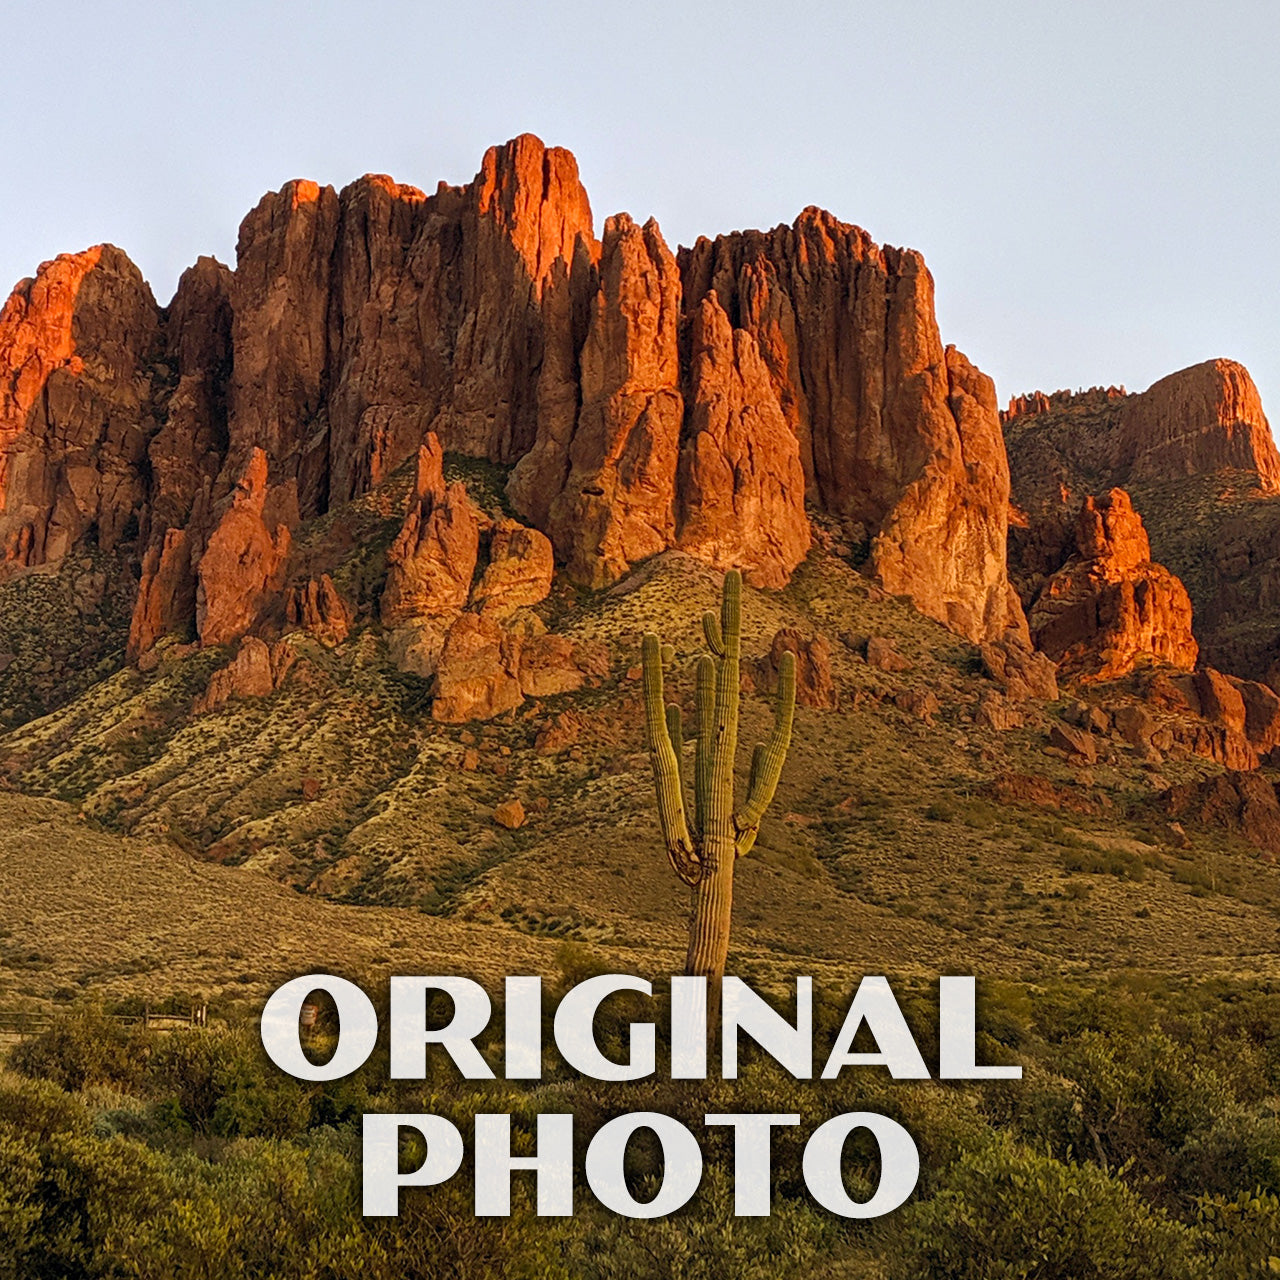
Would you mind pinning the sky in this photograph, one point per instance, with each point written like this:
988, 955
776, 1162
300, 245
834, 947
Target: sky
1094, 186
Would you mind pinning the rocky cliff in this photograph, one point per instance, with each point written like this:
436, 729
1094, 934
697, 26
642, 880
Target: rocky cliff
1195, 454
1109, 608
627, 400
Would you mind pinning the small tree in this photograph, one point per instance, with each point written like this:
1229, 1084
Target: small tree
703, 852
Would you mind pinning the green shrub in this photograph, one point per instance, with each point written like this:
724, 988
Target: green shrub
1007, 1214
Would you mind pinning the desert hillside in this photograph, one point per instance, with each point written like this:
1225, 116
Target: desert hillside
335, 569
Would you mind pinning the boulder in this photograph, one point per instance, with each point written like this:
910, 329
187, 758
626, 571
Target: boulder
477, 677
519, 572
1075, 742
814, 684
995, 713
1018, 669
510, 814
882, 654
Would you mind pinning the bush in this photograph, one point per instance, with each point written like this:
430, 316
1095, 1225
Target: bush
84, 1047
1007, 1214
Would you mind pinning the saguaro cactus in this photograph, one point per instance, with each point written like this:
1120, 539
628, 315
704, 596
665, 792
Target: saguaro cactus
703, 852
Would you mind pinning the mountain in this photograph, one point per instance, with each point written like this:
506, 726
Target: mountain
338, 565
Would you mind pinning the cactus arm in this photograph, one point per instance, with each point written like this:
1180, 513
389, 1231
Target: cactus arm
675, 731
706, 739
666, 768
756, 756
711, 629
766, 764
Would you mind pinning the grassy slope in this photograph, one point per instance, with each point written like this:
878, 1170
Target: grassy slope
884, 850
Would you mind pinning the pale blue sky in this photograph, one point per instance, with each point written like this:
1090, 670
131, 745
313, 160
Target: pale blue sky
1095, 186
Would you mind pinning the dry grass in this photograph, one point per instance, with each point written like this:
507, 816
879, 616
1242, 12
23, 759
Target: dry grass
883, 851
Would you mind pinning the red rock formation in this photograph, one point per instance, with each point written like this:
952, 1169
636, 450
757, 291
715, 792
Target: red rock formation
893, 432
433, 560
814, 684
280, 335
1223, 718
357, 324
242, 568
1243, 803
1038, 402
552, 664
185, 455
740, 483
617, 502
1196, 421
1194, 442
519, 572
166, 599
365, 319
316, 607
527, 212
478, 673
1110, 607
1019, 670
76, 412
256, 670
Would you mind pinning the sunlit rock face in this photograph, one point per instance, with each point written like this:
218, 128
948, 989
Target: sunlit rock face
79, 346
895, 431
627, 399
1195, 453
1197, 421
1110, 608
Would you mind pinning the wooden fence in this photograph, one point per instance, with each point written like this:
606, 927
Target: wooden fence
27, 1022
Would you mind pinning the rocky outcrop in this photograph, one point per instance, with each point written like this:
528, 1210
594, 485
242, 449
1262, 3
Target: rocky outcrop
185, 455
617, 502
1196, 455
478, 676
1196, 421
242, 569
740, 483
280, 336
641, 404
369, 317
1232, 721
433, 560
519, 573
166, 600
1110, 608
894, 432
1242, 803
256, 670
315, 606
552, 664
1020, 671
815, 686
78, 346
